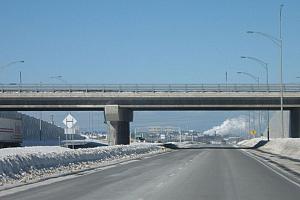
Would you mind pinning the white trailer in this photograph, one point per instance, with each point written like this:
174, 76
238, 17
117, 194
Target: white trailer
10, 132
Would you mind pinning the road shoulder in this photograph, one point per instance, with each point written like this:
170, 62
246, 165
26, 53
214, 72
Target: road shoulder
285, 167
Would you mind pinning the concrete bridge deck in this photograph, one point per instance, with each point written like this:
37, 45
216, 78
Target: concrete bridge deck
148, 97
119, 101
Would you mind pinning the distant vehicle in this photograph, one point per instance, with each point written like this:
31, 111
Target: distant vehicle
10, 132
140, 139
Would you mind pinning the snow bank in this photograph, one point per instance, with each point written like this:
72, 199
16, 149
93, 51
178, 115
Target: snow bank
289, 147
251, 142
16, 163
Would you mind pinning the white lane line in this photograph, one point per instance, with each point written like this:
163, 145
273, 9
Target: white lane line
276, 172
160, 184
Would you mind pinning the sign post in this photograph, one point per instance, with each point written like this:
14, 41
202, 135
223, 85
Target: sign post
69, 122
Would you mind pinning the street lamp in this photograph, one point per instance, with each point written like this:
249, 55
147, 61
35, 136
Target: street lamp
256, 78
11, 63
278, 42
265, 65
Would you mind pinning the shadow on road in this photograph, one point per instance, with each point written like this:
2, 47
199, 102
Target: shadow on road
208, 146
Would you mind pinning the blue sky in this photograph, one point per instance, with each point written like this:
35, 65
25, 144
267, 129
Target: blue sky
145, 41
134, 41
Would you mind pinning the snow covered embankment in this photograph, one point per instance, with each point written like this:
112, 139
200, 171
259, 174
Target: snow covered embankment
289, 147
24, 164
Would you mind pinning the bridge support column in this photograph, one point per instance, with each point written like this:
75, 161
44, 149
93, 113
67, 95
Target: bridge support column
118, 120
295, 123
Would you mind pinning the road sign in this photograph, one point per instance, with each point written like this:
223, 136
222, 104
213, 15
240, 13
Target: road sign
70, 131
69, 121
253, 132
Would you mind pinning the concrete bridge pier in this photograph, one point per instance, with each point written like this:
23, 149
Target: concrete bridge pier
118, 120
295, 123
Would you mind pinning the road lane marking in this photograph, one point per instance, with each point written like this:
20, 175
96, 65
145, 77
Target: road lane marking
173, 174
160, 184
276, 172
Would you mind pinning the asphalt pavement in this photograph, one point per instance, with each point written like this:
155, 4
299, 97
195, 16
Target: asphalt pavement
200, 173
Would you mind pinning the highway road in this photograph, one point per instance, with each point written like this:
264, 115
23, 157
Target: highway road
207, 173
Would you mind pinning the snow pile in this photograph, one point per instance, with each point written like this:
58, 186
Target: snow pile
17, 163
229, 126
251, 142
289, 147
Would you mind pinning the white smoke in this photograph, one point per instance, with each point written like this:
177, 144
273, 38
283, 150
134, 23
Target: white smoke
232, 126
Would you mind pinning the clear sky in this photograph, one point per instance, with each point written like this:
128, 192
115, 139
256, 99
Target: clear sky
134, 41
139, 41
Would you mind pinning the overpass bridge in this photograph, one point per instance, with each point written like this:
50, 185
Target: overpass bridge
119, 101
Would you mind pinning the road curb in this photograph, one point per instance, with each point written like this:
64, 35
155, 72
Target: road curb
276, 167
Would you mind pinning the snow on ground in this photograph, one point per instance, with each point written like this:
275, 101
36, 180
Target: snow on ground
25, 164
251, 142
289, 147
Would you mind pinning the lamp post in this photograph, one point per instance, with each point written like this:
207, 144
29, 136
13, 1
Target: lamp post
256, 78
12, 63
265, 65
278, 42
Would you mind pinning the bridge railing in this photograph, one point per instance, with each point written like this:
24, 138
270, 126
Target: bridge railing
148, 88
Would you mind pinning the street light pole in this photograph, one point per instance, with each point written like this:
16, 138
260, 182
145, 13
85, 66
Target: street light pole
281, 70
265, 65
12, 63
256, 78
278, 42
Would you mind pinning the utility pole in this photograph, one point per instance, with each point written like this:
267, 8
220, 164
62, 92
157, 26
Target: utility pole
40, 126
52, 119
226, 79
279, 43
180, 135
20, 78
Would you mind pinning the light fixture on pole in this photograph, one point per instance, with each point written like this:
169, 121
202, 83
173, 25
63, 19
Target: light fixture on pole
12, 63
256, 78
278, 42
265, 65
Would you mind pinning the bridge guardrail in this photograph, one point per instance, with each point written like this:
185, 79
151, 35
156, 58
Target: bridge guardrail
149, 88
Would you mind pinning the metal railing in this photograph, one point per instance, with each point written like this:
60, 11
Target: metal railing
136, 88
